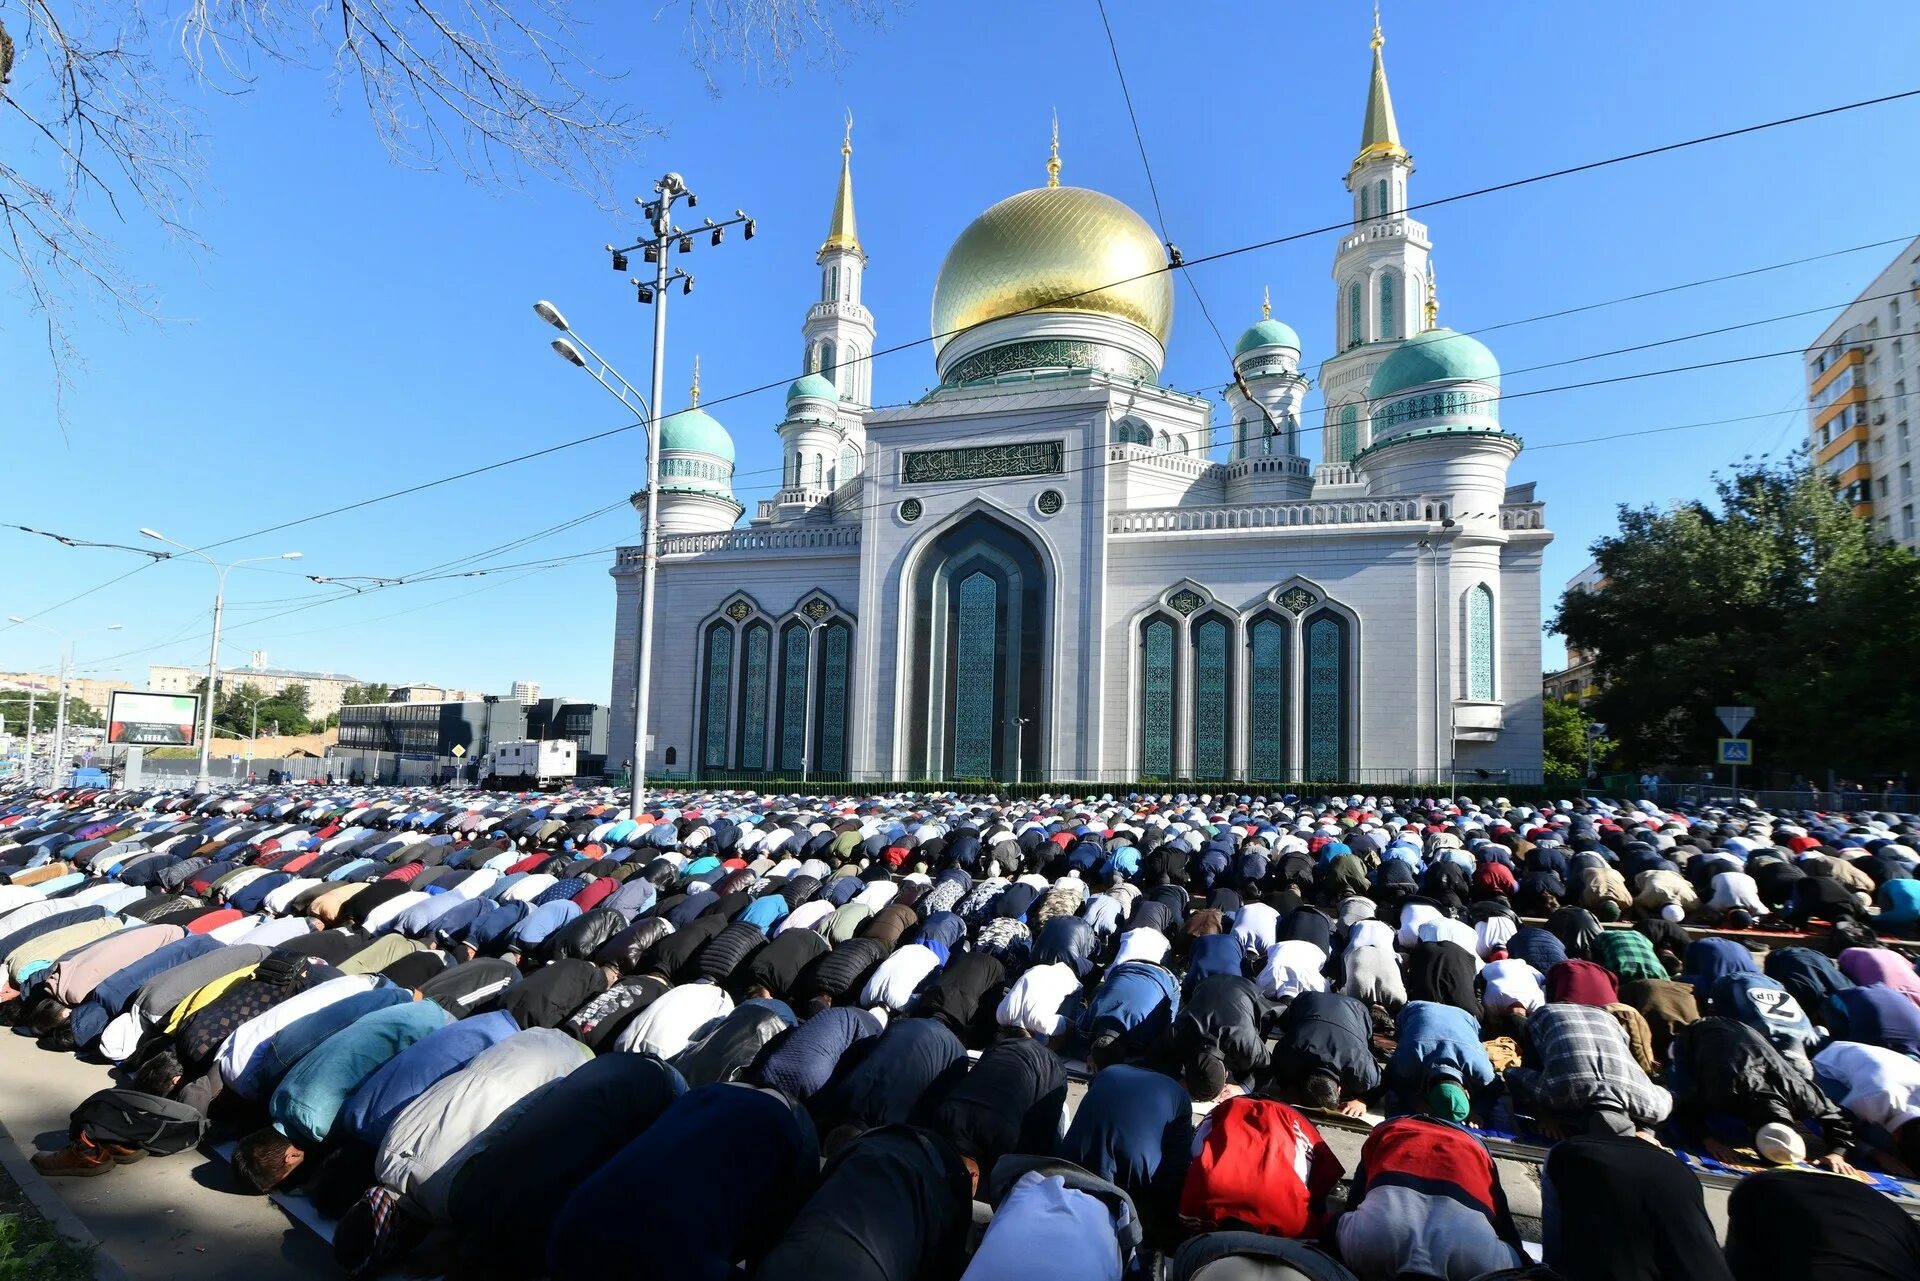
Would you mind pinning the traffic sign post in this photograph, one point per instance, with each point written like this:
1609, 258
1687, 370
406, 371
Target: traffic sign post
1735, 719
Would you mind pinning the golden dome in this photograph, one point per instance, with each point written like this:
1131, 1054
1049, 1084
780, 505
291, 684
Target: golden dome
1054, 249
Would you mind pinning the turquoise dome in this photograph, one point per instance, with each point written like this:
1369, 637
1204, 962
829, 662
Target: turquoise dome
695, 431
1268, 333
1436, 356
811, 385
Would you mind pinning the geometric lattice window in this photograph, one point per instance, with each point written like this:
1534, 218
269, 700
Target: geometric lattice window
1380, 196
1386, 304
1356, 315
1156, 699
1267, 701
1480, 643
836, 657
1346, 442
1210, 717
1366, 207
976, 638
793, 696
718, 683
755, 654
1326, 697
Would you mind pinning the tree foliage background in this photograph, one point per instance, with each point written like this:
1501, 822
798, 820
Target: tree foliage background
1772, 594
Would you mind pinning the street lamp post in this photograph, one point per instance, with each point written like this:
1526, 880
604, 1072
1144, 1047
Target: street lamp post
60, 707
213, 651
657, 248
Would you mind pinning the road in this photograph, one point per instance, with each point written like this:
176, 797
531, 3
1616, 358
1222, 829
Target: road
162, 1218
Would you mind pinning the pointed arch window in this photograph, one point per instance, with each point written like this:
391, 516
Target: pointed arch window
793, 696
1356, 315
1212, 720
1480, 644
978, 625
1327, 688
1380, 196
832, 292
1365, 213
756, 646
1156, 697
717, 684
849, 464
1388, 290
1347, 443
1267, 644
830, 730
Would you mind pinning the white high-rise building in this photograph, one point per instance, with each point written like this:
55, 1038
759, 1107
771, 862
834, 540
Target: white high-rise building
525, 692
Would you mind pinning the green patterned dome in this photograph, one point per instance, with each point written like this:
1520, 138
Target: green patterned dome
695, 431
1436, 356
811, 385
1268, 333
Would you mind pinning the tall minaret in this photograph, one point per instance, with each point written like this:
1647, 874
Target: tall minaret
839, 330
1380, 272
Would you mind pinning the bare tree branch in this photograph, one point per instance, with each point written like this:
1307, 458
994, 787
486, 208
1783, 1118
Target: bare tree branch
497, 89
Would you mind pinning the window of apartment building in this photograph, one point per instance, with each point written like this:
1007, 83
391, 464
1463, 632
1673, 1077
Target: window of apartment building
1883, 487
1900, 435
1906, 480
1873, 371
1906, 523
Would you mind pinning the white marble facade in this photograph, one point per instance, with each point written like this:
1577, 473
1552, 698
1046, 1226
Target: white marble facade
1054, 567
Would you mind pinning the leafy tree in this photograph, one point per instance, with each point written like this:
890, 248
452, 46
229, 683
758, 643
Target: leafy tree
1565, 742
373, 692
1774, 595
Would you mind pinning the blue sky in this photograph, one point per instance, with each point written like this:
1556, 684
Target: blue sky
356, 326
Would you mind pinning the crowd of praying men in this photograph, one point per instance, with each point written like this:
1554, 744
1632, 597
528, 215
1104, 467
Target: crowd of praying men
805, 1036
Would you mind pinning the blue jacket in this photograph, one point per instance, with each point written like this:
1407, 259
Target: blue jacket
1434, 1036
111, 997
310, 1098
372, 1108
1136, 1002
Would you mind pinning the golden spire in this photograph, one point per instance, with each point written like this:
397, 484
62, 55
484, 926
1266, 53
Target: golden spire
1433, 300
1053, 159
1266, 303
1379, 132
842, 234
694, 391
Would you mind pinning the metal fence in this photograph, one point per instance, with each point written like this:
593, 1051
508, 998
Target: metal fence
1778, 799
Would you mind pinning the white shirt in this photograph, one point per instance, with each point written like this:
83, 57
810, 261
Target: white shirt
242, 1055
1143, 944
877, 895
1042, 1000
381, 918
273, 933
679, 1018
1736, 889
1412, 917
1878, 1085
805, 917
900, 976
1293, 966
1493, 934
16, 896
1459, 933
280, 899
1514, 982
1256, 925
528, 887
232, 931
1370, 934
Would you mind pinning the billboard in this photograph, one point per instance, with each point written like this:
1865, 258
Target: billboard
139, 719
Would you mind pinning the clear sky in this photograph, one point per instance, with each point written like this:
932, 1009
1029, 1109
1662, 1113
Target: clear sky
357, 326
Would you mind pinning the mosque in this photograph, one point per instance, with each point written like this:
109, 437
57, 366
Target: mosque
1043, 569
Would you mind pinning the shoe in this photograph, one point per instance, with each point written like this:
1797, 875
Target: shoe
70, 1163
124, 1154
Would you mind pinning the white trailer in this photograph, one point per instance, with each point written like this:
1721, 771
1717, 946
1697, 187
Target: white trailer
529, 763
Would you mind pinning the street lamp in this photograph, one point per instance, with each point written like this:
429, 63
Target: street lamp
60, 710
213, 652
663, 240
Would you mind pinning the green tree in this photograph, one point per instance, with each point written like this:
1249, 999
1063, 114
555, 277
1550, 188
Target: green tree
1565, 742
287, 710
1773, 594
373, 692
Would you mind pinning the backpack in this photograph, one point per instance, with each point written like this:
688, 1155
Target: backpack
160, 1126
1243, 1154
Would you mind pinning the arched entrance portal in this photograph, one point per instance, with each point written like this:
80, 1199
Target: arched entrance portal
979, 621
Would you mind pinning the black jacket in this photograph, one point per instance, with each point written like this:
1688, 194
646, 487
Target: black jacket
1326, 1032
1721, 1065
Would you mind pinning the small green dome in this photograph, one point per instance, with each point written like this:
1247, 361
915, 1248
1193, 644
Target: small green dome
1436, 356
696, 431
811, 385
1268, 333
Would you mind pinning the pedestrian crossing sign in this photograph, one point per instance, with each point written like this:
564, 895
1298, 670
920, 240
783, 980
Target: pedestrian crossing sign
1736, 751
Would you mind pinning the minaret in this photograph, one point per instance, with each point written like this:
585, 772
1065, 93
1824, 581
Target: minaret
1380, 271
839, 330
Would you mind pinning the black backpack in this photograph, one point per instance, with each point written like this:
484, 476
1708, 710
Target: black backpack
161, 1126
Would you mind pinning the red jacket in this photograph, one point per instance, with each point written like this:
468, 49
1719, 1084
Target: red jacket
1259, 1164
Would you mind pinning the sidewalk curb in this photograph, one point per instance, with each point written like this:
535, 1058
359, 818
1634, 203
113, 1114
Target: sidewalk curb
53, 1209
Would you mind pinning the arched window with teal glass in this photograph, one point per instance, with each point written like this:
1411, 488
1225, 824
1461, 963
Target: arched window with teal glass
1346, 441
1380, 196
1365, 213
1328, 693
1480, 644
1156, 697
1212, 701
1388, 297
716, 684
830, 717
1267, 677
793, 696
756, 646
1356, 315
